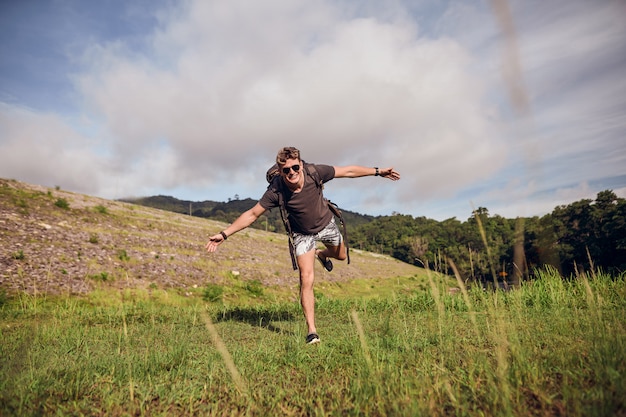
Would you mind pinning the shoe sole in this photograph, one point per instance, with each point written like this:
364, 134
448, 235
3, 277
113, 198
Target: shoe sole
314, 339
328, 265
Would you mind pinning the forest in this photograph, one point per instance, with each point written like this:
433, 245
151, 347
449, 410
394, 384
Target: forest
586, 235
583, 236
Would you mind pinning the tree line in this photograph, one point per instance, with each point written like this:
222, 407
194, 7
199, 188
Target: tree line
584, 235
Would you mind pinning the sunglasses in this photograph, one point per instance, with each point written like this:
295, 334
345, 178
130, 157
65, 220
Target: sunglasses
287, 170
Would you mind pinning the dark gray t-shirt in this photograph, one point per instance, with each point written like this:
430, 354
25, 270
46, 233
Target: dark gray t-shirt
308, 212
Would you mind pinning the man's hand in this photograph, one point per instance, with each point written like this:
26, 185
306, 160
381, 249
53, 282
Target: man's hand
389, 173
214, 242
244, 220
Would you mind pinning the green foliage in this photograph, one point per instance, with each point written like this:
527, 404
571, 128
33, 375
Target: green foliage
122, 255
101, 209
19, 255
591, 235
93, 238
212, 292
3, 297
254, 287
62, 203
102, 276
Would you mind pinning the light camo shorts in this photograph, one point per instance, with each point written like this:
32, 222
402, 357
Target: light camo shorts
329, 235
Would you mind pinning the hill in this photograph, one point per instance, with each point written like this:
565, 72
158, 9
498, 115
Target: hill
55, 241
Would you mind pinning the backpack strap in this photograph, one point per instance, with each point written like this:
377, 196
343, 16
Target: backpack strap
337, 212
313, 173
277, 186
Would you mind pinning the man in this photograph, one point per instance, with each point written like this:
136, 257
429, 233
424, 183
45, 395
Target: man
310, 219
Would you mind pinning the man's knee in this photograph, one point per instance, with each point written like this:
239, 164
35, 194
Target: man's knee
338, 252
306, 279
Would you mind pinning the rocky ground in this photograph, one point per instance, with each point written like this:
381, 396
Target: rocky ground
54, 241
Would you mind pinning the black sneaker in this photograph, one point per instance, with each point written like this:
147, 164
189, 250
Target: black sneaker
327, 264
312, 338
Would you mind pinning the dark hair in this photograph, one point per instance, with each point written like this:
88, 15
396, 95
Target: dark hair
288, 152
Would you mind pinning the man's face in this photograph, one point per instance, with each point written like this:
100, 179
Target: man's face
291, 171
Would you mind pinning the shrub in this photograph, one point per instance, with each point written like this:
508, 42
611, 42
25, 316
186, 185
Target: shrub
19, 255
212, 293
254, 287
102, 276
62, 203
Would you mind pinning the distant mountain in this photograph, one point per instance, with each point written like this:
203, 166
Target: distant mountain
164, 202
229, 211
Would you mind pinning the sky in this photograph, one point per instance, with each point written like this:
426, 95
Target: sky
517, 106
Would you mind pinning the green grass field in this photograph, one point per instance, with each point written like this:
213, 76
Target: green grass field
553, 347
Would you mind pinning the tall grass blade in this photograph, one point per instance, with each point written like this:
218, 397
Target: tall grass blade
466, 298
437, 297
591, 298
483, 235
519, 256
221, 348
361, 333
593, 270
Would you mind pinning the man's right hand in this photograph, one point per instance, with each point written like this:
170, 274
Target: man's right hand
214, 242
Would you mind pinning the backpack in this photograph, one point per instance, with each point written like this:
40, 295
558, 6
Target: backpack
276, 184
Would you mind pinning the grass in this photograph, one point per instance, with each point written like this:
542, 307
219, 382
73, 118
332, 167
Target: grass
552, 347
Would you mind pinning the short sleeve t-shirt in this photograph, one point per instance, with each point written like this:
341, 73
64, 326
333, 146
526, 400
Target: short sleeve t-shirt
308, 212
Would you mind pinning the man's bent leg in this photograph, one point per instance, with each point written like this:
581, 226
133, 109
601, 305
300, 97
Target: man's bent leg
331, 237
336, 252
306, 264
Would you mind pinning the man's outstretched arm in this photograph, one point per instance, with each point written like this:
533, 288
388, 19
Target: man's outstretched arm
246, 219
356, 171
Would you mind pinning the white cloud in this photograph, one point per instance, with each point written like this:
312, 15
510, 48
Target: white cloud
202, 101
344, 90
43, 149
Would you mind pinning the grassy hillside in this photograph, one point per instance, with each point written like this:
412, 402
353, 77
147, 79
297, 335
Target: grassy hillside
58, 242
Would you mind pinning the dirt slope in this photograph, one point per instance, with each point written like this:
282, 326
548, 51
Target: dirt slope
55, 241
